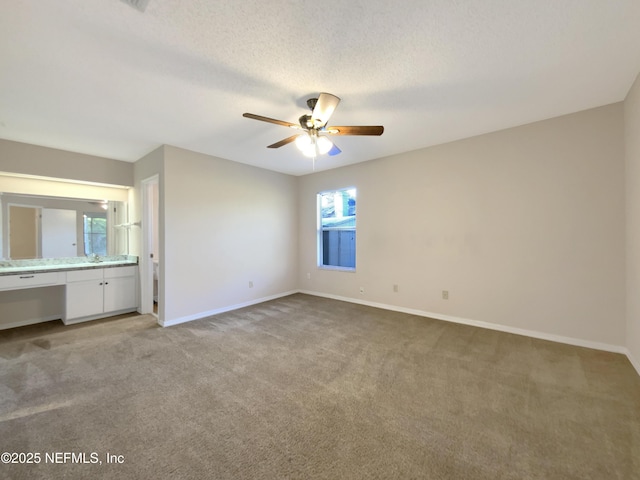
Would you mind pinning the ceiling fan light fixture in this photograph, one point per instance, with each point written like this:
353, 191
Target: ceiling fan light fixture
312, 145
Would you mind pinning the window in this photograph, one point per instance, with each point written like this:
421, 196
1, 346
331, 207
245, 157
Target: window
337, 229
95, 233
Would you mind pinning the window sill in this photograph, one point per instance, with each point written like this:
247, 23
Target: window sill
339, 269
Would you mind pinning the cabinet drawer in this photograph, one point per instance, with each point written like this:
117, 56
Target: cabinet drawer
115, 272
27, 280
83, 275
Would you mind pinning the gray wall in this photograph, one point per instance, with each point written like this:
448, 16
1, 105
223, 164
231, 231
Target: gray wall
22, 158
523, 227
225, 224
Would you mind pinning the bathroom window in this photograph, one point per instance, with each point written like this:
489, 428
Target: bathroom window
95, 233
337, 229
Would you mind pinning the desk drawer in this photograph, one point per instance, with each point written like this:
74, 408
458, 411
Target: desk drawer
29, 280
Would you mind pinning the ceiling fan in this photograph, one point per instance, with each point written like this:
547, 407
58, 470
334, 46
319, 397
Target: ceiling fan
313, 141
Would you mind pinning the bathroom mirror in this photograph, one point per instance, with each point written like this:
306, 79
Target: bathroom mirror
35, 226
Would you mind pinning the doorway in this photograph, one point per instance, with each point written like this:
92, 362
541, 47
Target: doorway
150, 297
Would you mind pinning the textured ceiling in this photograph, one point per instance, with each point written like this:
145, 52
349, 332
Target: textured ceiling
100, 77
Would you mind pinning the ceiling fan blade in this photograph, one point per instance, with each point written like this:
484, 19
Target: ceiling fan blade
334, 150
283, 142
324, 108
270, 120
359, 130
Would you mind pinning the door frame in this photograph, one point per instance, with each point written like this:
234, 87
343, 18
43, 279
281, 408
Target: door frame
149, 222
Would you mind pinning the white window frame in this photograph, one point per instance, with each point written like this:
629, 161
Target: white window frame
320, 230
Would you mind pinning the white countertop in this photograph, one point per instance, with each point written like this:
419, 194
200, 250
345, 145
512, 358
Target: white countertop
65, 267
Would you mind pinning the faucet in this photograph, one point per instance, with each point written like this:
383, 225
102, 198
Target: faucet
93, 257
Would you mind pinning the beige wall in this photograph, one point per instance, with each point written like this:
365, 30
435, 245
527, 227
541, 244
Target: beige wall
632, 176
26, 159
225, 224
524, 228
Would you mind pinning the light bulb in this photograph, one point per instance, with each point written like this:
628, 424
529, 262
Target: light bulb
324, 145
303, 141
309, 150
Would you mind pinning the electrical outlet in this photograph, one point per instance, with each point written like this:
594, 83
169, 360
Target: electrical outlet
250, 284
361, 290
395, 288
445, 294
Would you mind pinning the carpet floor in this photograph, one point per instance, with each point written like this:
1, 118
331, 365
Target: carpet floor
310, 388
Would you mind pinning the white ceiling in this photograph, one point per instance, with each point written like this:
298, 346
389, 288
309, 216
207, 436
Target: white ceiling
99, 77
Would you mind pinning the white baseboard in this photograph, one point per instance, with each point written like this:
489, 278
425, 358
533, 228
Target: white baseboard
476, 323
199, 315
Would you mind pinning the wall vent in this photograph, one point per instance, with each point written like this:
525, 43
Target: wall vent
137, 4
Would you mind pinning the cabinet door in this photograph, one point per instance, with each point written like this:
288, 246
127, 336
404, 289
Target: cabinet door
83, 299
120, 294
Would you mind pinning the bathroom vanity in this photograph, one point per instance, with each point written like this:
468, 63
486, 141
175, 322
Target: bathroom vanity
73, 290
64, 259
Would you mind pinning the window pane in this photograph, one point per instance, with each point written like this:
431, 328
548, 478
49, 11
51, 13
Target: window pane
339, 248
95, 233
338, 208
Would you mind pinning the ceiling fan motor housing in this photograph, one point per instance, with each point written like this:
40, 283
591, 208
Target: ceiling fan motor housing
306, 122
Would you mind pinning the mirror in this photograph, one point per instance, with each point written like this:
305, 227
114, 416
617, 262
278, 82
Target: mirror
35, 226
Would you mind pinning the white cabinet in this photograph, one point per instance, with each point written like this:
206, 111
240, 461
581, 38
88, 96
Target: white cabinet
84, 294
99, 292
120, 289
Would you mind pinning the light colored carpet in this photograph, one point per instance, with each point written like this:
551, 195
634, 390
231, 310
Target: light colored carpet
310, 388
